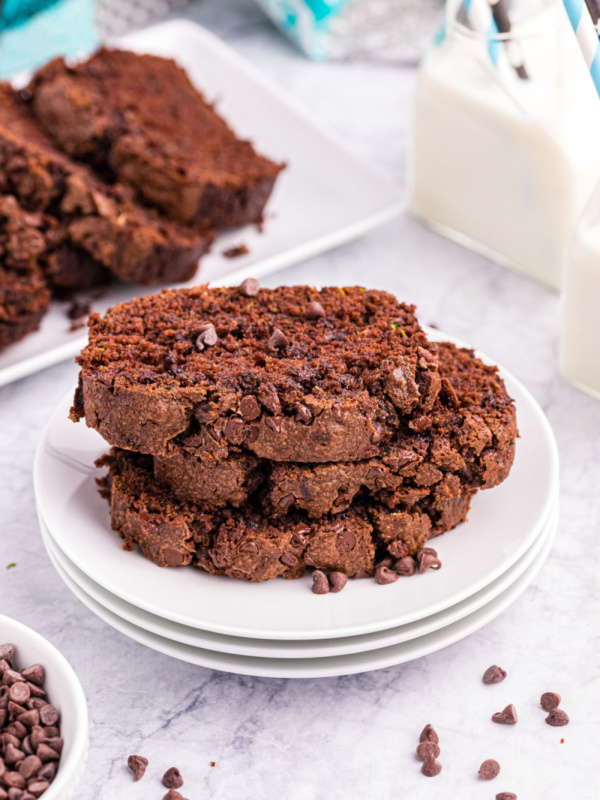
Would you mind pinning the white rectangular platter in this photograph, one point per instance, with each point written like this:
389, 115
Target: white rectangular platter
325, 197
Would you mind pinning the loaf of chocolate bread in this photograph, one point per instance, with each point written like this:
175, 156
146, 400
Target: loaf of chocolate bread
140, 119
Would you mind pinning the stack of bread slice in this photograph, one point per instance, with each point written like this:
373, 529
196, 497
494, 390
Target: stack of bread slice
258, 432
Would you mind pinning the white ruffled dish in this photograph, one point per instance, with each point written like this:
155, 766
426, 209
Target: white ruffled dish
503, 524
65, 692
318, 667
318, 648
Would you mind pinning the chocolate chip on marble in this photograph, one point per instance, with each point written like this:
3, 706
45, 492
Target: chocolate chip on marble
384, 575
489, 769
428, 734
173, 794
557, 718
345, 542
431, 768
428, 750
172, 778
549, 701
278, 339
249, 407
427, 558
315, 310
250, 287
494, 674
320, 582
137, 764
337, 581
507, 716
506, 796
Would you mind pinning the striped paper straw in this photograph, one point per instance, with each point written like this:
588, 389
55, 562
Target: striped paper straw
587, 36
481, 20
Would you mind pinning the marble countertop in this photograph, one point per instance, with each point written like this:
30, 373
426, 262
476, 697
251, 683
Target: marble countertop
350, 737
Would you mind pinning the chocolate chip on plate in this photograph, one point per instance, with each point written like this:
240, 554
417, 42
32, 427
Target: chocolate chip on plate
320, 582
384, 575
489, 769
506, 796
549, 700
557, 718
137, 764
405, 566
507, 716
494, 674
337, 581
427, 558
250, 287
172, 778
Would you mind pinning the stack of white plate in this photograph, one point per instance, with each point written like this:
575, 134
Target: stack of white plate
279, 628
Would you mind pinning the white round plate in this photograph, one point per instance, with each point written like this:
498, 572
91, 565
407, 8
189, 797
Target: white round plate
315, 667
319, 648
503, 523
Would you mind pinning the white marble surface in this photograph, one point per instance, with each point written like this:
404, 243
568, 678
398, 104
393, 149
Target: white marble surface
350, 737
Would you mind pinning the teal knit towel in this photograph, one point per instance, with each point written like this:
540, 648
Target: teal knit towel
65, 28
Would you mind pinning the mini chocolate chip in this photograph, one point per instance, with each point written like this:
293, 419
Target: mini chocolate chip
308, 560
506, 796
173, 558
251, 433
320, 582
315, 310
173, 794
384, 575
299, 540
204, 414
428, 734
172, 778
405, 566
278, 340
29, 718
428, 750
38, 787
506, 717
48, 714
250, 287
345, 542
386, 562
234, 428
249, 407
19, 693
14, 779
12, 754
11, 676
494, 674
37, 736
46, 753
303, 414
489, 769
274, 423
431, 768
34, 674
56, 743
137, 764
557, 718
47, 771
398, 549
249, 547
286, 501
337, 581
7, 653
549, 701
427, 558
29, 767
208, 338
289, 559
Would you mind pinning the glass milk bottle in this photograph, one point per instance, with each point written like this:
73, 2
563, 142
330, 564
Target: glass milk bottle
506, 133
579, 350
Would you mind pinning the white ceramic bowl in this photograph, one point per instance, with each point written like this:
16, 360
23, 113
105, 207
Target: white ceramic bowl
64, 692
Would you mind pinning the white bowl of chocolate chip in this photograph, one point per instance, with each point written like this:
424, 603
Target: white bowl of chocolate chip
43, 717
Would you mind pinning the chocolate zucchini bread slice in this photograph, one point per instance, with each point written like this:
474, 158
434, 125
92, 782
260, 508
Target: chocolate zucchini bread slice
247, 543
470, 432
140, 119
290, 374
24, 296
92, 222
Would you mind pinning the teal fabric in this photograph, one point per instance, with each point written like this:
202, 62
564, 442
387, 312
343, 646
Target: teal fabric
66, 28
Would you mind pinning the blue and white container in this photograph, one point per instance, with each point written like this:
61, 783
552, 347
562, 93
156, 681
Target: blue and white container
506, 127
